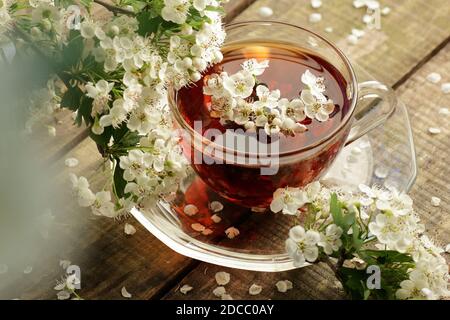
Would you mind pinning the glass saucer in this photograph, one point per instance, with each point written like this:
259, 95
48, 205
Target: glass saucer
385, 156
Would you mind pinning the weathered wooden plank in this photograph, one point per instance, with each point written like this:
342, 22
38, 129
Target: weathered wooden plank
108, 258
408, 34
389, 55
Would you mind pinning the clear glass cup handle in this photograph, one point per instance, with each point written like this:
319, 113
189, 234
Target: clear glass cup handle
376, 103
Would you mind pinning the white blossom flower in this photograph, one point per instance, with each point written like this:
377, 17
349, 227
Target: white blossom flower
315, 84
100, 93
331, 239
117, 114
102, 205
254, 67
266, 99
302, 245
413, 287
288, 200
239, 84
133, 164
317, 108
398, 203
294, 109
175, 10
80, 186
45, 12
143, 120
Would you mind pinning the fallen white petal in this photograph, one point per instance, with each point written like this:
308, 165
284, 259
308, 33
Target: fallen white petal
434, 130
222, 278
185, 289
129, 229
434, 77
316, 3
226, 297
51, 130
281, 286
265, 12
435, 201
385, 11
289, 284
216, 206
445, 87
444, 111
255, 289
447, 248
232, 232
28, 270
219, 291
329, 29
190, 210
381, 172
125, 293
358, 33
198, 227
352, 39
71, 162
207, 232
315, 17
215, 218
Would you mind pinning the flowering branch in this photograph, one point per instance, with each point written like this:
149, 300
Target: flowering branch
232, 99
342, 224
115, 75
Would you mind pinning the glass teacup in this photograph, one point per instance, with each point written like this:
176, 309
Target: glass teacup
248, 172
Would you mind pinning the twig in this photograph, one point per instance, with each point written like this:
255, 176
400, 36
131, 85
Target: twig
113, 8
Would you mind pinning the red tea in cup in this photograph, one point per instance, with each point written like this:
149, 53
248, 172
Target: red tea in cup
302, 157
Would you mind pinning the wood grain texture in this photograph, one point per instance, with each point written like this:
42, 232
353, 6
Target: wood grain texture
387, 54
411, 35
108, 258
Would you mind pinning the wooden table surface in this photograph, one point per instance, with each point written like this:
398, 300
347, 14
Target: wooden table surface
413, 42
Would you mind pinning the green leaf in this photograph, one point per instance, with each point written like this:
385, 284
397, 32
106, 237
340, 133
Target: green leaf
388, 256
72, 52
102, 139
72, 98
353, 281
147, 23
357, 241
119, 181
336, 210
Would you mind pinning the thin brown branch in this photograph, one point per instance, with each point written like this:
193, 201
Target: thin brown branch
113, 8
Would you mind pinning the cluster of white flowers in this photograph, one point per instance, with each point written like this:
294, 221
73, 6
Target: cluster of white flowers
232, 95
42, 104
390, 219
152, 170
140, 68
